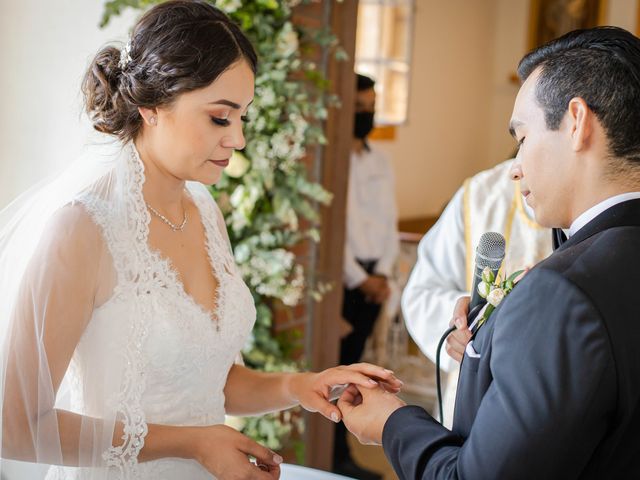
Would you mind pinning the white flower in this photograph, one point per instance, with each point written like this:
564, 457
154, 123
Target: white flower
266, 95
237, 423
242, 253
229, 6
495, 296
483, 289
259, 124
281, 144
293, 292
487, 275
300, 125
287, 42
238, 165
261, 150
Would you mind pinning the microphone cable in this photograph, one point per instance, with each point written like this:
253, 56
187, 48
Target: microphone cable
449, 331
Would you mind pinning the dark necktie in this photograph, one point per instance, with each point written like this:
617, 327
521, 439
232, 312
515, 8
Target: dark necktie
558, 237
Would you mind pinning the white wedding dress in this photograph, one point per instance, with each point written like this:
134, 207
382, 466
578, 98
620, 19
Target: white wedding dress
173, 357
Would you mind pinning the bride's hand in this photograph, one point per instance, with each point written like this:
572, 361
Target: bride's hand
313, 390
225, 452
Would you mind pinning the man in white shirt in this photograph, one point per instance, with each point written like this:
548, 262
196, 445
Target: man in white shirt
488, 201
371, 248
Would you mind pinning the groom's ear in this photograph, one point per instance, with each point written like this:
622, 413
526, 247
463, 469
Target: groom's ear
580, 118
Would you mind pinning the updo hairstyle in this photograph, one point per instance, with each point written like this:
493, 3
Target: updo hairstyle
176, 47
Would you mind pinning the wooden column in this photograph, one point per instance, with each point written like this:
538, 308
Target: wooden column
332, 166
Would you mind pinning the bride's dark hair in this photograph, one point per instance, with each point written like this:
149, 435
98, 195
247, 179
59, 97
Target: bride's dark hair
176, 47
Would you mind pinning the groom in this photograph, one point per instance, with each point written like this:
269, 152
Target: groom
550, 385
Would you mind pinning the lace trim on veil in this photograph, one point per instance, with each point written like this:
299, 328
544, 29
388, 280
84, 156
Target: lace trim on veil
127, 255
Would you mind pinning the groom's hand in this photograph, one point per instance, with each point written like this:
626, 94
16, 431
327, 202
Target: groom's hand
457, 341
365, 411
313, 390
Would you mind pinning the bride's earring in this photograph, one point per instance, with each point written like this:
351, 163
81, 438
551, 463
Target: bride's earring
153, 120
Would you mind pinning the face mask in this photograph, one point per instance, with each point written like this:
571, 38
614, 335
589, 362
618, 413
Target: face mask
363, 124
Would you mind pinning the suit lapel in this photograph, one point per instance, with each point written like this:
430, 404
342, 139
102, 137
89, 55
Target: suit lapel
625, 214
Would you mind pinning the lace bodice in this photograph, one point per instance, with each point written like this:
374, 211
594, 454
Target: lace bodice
175, 356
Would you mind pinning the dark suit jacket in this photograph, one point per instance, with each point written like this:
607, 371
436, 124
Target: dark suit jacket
554, 390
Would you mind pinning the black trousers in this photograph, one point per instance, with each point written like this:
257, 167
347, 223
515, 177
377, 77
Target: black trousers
362, 316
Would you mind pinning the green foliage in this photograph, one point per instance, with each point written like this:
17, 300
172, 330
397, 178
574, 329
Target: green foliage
266, 191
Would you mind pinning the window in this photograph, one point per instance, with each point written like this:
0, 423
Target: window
383, 51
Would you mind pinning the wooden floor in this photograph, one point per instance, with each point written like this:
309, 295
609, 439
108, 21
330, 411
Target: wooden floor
371, 457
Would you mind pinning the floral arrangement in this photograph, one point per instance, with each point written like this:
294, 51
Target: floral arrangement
269, 202
494, 289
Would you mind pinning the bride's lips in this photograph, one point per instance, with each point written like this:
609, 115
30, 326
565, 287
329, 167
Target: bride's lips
221, 163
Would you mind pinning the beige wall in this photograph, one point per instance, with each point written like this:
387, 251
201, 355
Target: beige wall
509, 44
442, 141
461, 95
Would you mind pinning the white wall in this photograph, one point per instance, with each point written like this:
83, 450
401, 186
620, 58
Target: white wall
46, 46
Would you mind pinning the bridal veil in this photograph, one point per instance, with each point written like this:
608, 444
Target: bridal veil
55, 271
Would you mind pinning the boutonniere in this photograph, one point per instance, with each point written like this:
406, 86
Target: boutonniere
495, 289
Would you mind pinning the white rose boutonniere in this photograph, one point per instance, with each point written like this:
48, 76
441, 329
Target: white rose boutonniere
495, 296
494, 289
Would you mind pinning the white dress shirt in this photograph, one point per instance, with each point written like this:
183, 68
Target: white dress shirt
597, 209
371, 229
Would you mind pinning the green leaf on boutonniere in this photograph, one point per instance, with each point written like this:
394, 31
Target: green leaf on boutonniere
485, 316
495, 291
514, 275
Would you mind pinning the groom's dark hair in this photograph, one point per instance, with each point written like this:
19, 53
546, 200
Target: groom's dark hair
602, 66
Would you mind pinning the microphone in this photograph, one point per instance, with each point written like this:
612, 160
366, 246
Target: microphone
489, 253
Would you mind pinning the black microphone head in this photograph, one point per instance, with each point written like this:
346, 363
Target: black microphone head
490, 252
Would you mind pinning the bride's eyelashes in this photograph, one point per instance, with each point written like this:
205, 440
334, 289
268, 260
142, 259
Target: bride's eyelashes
224, 122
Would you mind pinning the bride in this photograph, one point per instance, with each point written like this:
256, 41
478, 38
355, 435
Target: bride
122, 311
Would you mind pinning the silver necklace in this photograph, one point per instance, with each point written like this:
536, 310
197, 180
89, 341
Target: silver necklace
173, 226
